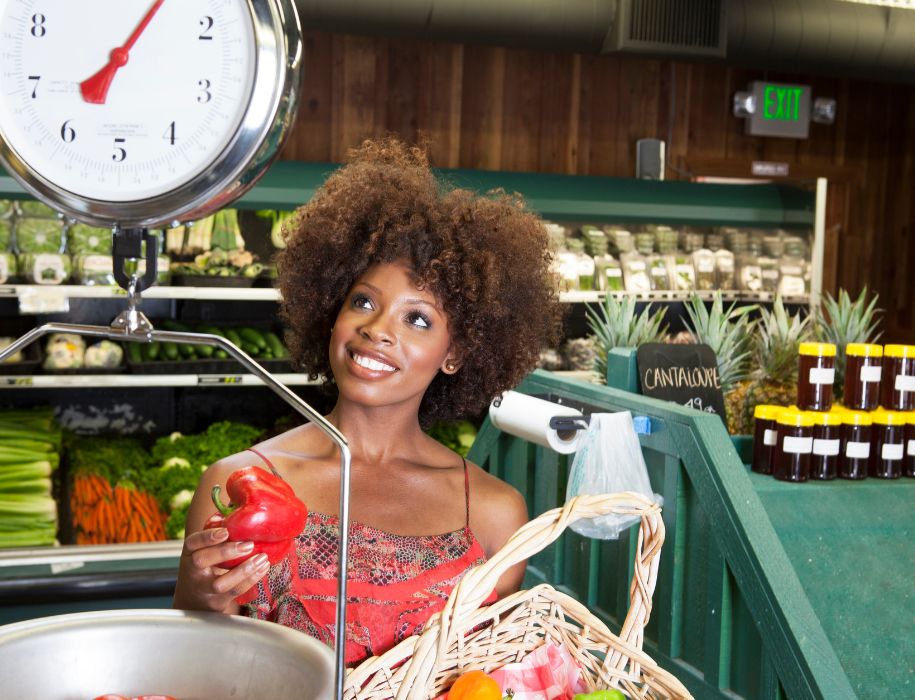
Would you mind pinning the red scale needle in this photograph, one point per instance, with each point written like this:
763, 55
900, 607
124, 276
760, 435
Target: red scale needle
95, 89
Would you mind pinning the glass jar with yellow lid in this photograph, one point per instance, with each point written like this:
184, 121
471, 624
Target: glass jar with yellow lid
908, 464
863, 370
794, 432
887, 443
764, 437
897, 387
827, 442
855, 450
816, 372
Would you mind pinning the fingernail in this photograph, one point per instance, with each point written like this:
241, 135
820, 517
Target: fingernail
220, 533
260, 561
244, 547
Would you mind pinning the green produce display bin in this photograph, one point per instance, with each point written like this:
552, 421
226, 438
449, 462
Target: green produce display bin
765, 590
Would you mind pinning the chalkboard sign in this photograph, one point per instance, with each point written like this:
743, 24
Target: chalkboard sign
684, 374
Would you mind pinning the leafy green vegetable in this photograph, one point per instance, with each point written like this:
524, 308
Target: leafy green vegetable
114, 458
85, 240
456, 435
219, 440
39, 235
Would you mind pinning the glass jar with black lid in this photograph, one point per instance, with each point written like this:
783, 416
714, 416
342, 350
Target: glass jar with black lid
887, 444
863, 370
791, 458
855, 450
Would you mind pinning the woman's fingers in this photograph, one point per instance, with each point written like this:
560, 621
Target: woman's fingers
205, 538
240, 579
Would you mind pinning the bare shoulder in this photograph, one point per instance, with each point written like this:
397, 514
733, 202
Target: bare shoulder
497, 509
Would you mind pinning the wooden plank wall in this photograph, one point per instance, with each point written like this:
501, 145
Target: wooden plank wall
513, 109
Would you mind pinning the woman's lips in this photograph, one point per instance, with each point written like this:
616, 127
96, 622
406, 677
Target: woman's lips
371, 363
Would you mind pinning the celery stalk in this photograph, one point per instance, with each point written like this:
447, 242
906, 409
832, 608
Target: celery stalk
33, 486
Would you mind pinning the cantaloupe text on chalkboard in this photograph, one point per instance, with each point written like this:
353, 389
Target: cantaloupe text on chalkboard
684, 374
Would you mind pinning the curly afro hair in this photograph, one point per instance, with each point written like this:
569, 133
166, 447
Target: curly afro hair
485, 258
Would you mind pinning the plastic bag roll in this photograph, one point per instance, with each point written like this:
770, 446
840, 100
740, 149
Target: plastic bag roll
528, 417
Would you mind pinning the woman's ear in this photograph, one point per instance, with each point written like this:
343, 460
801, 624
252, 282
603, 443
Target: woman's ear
451, 364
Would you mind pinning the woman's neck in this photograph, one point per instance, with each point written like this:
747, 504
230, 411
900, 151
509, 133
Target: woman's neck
377, 434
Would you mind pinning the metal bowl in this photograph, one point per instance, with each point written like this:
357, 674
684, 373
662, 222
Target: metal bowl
190, 656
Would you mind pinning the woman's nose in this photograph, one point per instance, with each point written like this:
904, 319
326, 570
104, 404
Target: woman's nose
376, 330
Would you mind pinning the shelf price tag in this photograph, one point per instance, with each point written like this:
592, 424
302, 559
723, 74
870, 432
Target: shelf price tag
219, 379
18, 381
43, 300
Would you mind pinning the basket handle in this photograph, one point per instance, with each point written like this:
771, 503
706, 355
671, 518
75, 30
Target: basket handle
477, 583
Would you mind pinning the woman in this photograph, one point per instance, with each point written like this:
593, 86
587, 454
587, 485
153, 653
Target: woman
419, 304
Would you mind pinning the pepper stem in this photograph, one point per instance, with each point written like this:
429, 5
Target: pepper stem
224, 510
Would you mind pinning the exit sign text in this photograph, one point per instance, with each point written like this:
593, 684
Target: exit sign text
781, 110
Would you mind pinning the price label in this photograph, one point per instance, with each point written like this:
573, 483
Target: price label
64, 566
18, 381
220, 379
43, 300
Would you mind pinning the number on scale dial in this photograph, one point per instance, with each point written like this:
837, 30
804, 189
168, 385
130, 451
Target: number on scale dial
127, 100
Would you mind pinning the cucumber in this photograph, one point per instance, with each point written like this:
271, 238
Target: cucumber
276, 345
134, 353
211, 330
221, 355
150, 352
204, 351
170, 350
250, 348
255, 337
233, 337
188, 352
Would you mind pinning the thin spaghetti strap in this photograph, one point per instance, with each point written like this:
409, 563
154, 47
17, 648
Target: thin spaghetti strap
266, 461
466, 491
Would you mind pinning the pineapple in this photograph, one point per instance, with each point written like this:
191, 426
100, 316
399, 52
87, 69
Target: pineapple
618, 326
846, 321
729, 334
774, 380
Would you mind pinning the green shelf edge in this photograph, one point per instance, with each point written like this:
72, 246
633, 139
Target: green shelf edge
288, 184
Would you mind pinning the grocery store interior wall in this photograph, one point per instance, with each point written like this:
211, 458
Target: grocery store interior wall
498, 108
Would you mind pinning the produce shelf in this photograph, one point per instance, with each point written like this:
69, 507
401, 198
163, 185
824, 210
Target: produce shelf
101, 381
75, 291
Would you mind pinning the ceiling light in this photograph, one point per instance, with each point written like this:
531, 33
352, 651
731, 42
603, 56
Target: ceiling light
899, 4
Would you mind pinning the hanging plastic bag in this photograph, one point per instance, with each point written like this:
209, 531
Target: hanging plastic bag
609, 460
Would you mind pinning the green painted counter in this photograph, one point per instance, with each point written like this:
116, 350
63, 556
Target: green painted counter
852, 545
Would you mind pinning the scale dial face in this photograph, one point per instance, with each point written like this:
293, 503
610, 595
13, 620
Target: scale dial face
107, 104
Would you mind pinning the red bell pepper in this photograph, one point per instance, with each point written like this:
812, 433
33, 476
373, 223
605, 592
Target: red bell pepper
262, 509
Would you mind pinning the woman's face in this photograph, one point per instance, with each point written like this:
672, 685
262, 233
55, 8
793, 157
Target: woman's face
390, 339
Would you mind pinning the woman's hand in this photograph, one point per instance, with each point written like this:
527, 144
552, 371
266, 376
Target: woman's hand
202, 585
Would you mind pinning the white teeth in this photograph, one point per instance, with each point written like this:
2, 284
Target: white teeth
371, 364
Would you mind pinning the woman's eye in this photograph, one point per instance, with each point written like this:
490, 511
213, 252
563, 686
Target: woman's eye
417, 319
360, 301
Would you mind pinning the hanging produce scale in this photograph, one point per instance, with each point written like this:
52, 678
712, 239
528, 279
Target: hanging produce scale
140, 114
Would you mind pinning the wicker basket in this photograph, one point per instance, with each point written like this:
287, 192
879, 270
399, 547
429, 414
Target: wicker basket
464, 636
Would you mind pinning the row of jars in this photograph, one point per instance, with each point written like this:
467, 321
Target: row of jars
875, 375
796, 445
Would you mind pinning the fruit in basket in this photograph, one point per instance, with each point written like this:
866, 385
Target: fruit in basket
263, 509
475, 685
612, 694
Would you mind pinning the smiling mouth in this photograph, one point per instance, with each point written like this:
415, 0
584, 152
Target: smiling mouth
371, 363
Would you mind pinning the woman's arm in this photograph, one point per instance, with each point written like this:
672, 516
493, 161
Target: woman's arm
497, 510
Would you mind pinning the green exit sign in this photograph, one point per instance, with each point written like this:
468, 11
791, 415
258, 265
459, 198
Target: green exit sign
781, 110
